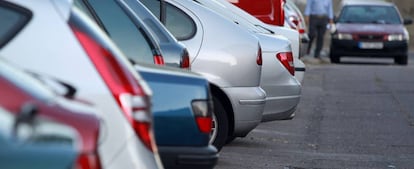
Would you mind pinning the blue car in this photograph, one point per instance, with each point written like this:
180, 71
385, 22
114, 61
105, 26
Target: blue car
182, 109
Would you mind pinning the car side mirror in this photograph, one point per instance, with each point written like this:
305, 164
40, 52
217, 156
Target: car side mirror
408, 21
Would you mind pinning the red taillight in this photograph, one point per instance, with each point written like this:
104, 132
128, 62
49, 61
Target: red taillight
293, 22
202, 112
259, 59
124, 87
301, 31
185, 63
88, 161
158, 60
286, 58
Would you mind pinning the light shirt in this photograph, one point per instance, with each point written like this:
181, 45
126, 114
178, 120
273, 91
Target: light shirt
319, 7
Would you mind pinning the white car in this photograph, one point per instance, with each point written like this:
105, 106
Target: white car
282, 88
53, 38
228, 56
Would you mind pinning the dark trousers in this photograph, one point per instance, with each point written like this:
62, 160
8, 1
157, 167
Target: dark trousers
317, 28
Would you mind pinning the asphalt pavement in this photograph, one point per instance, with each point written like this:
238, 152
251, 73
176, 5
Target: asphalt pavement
356, 115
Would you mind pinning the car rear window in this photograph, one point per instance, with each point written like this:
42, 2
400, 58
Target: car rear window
128, 36
370, 14
177, 21
12, 19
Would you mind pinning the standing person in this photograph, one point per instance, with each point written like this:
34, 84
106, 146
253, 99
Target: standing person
318, 13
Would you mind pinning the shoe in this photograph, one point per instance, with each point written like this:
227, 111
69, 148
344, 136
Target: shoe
313, 60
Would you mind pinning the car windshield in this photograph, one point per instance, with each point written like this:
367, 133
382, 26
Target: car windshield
369, 14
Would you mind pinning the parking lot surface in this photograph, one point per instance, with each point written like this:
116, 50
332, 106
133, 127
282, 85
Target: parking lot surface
359, 114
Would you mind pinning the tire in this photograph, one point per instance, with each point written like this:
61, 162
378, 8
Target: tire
334, 57
220, 128
401, 60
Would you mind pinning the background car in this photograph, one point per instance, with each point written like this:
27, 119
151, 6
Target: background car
56, 39
228, 56
370, 29
292, 35
294, 18
277, 78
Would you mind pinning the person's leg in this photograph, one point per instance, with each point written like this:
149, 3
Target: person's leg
311, 33
320, 31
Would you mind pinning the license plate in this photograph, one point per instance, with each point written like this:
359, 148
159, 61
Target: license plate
371, 45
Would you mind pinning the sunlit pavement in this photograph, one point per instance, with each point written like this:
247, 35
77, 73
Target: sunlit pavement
359, 114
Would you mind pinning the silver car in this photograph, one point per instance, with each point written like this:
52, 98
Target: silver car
282, 89
55, 39
292, 35
228, 56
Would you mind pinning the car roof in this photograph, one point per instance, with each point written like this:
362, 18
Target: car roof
367, 2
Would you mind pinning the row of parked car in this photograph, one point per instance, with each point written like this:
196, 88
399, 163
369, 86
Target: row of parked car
138, 83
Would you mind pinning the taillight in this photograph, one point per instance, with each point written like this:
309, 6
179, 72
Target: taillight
88, 161
124, 87
202, 112
259, 59
286, 58
158, 60
293, 22
185, 63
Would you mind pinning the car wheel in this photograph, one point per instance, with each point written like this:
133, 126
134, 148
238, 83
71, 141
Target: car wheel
220, 127
401, 60
334, 58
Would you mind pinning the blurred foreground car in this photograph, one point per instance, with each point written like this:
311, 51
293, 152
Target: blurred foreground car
370, 29
277, 79
75, 50
182, 125
36, 142
20, 90
228, 56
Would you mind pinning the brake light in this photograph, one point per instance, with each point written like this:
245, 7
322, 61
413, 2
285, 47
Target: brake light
124, 87
202, 112
259, 59
286, 58
185, 63
158, 60
293, 22
88, 161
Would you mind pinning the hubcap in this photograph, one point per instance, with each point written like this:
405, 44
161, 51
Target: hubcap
214, 126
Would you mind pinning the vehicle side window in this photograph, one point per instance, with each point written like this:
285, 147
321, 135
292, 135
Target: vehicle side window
12, 20
177, 21
130, 38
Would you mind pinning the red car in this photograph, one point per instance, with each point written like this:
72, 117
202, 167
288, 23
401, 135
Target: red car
370, 29
268, 11
19, 89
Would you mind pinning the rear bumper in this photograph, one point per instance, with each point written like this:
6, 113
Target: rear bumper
188, 157
248, 104
351, 48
